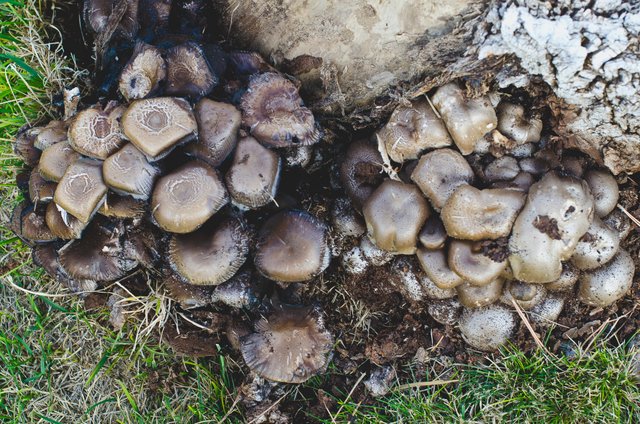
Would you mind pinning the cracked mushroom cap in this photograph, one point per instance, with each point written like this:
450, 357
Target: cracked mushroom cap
55, 160
155, 126
467, 120
62, 224
473, 214
212, 254
188, 72
129, 172
252, 179
292, 247
186, 198
290, 345
143, 73
513, 123
434, 264
96, 133
81, 191
412, 130
361, 171
605, 191
394, 214
470, 261
275, 114
608, 283
439, 173
218, 125
29, 224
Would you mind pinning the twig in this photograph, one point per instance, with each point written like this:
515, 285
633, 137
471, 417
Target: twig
263, 413
631, 217
529, 327
424, 384
231, 409
333, 417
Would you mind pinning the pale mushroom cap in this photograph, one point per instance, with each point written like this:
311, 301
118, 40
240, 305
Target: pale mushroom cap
434, 263
81, 190
66, 228
212, 254
439, 173
156, 125
55, 160
394, 214
487, 328
522, 182
218, 125
605, 191
188, 72
292, 246
186, 198
291, 345
143, 73
253, 178
609, 283
558, 212
547, 312
129, 172
433, 234
467, 120
472, 296
469, 261
526, 295
513, 123
96, 133
473, 214
361, 171
567, 279
412, 130
596, 247
502, 169
375, 255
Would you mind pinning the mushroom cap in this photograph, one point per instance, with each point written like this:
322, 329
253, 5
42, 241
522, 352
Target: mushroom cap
412, 130
345, 220
361, 171
291, 345
433, 235
513, 123
473, 214
487, 328
548, 310
143, 73
467, 119
596, 247
96, 133
40, 190
117, 206
567, 279
186, 198
81, 190
129, 172
505, 168
212, 254
252, 179
156, 125
52, 133
620, 222
608, 283
394, 214
445, 311
292, 246
218, 125
237, 292
605, 191
470, 261
522, 182
275, 114
188, 72
472, 296
434, 264
187, 295
439, 173
62, 226
24, 147
526, 295
55, 160
97, 16
29, 224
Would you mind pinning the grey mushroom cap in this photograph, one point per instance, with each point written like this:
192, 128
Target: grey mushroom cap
143, 73
55, 160
596, 247
129, 172
218, 125
608, 283
433, 234
513, 123
290, 345
605, 191
434, 264
52, 133
186, 198
487, 328
469, 261
24, 147
188, 72
361, 171
81, 191
96, 133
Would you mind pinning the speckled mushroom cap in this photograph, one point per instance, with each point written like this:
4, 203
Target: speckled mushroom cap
274, 112
290, 345
129, 172
292, 246
361, 171
55, 160
513, 123
156, 125
487, 328
81, 190
186, 198
218, 125
394, 214
608, 283
212, 254
596, 247
188, 72
412, 129
143, 73
252, 179
605, 191
469, 260
95, 132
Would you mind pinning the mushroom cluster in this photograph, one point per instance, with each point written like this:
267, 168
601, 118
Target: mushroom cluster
495, 217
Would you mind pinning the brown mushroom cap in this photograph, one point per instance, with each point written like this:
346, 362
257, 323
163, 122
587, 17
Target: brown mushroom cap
187, 295
466, 119
97, 16
52, 133
434, 263
40, 190
156, 125
188, 72
55, 160
605, 191
117, 206
274, 112
143, 73
46, 256
252, 179
361, 171
292, 246
218, 125
212, 254
129, 172
394, 214
186, 198
433, 235
237, 292
439, 173
513, 123
81, 190
62, 226
29, 224
473, 214
24, 147
473, 296
412, 130
291, 345
96, 133
469, 261
609, 283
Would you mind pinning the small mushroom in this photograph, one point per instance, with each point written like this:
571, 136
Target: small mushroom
292, 246
596, 247
129, 172
467, 119
487, 328
24, 147
55, 160
620, 222
275, 114
186, 198
439, 173
237, 292
212, 254
374, 255
290, 345
95, 132
81, 191
345, 220
433, 235
608, 283
505, 168
567, 279
547, 312
143, 73
434, 263
446, 311
29, 224
188, 72
526, 295
52, 133
218, 125
40, 190
605, 191
156, 125
117, 206
472, 296
470, 261
252, 179
361, 171
412, 129
63, 225
187, 295
394, 214
513, 123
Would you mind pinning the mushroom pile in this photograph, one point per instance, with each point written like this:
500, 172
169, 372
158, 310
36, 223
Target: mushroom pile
496, 218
